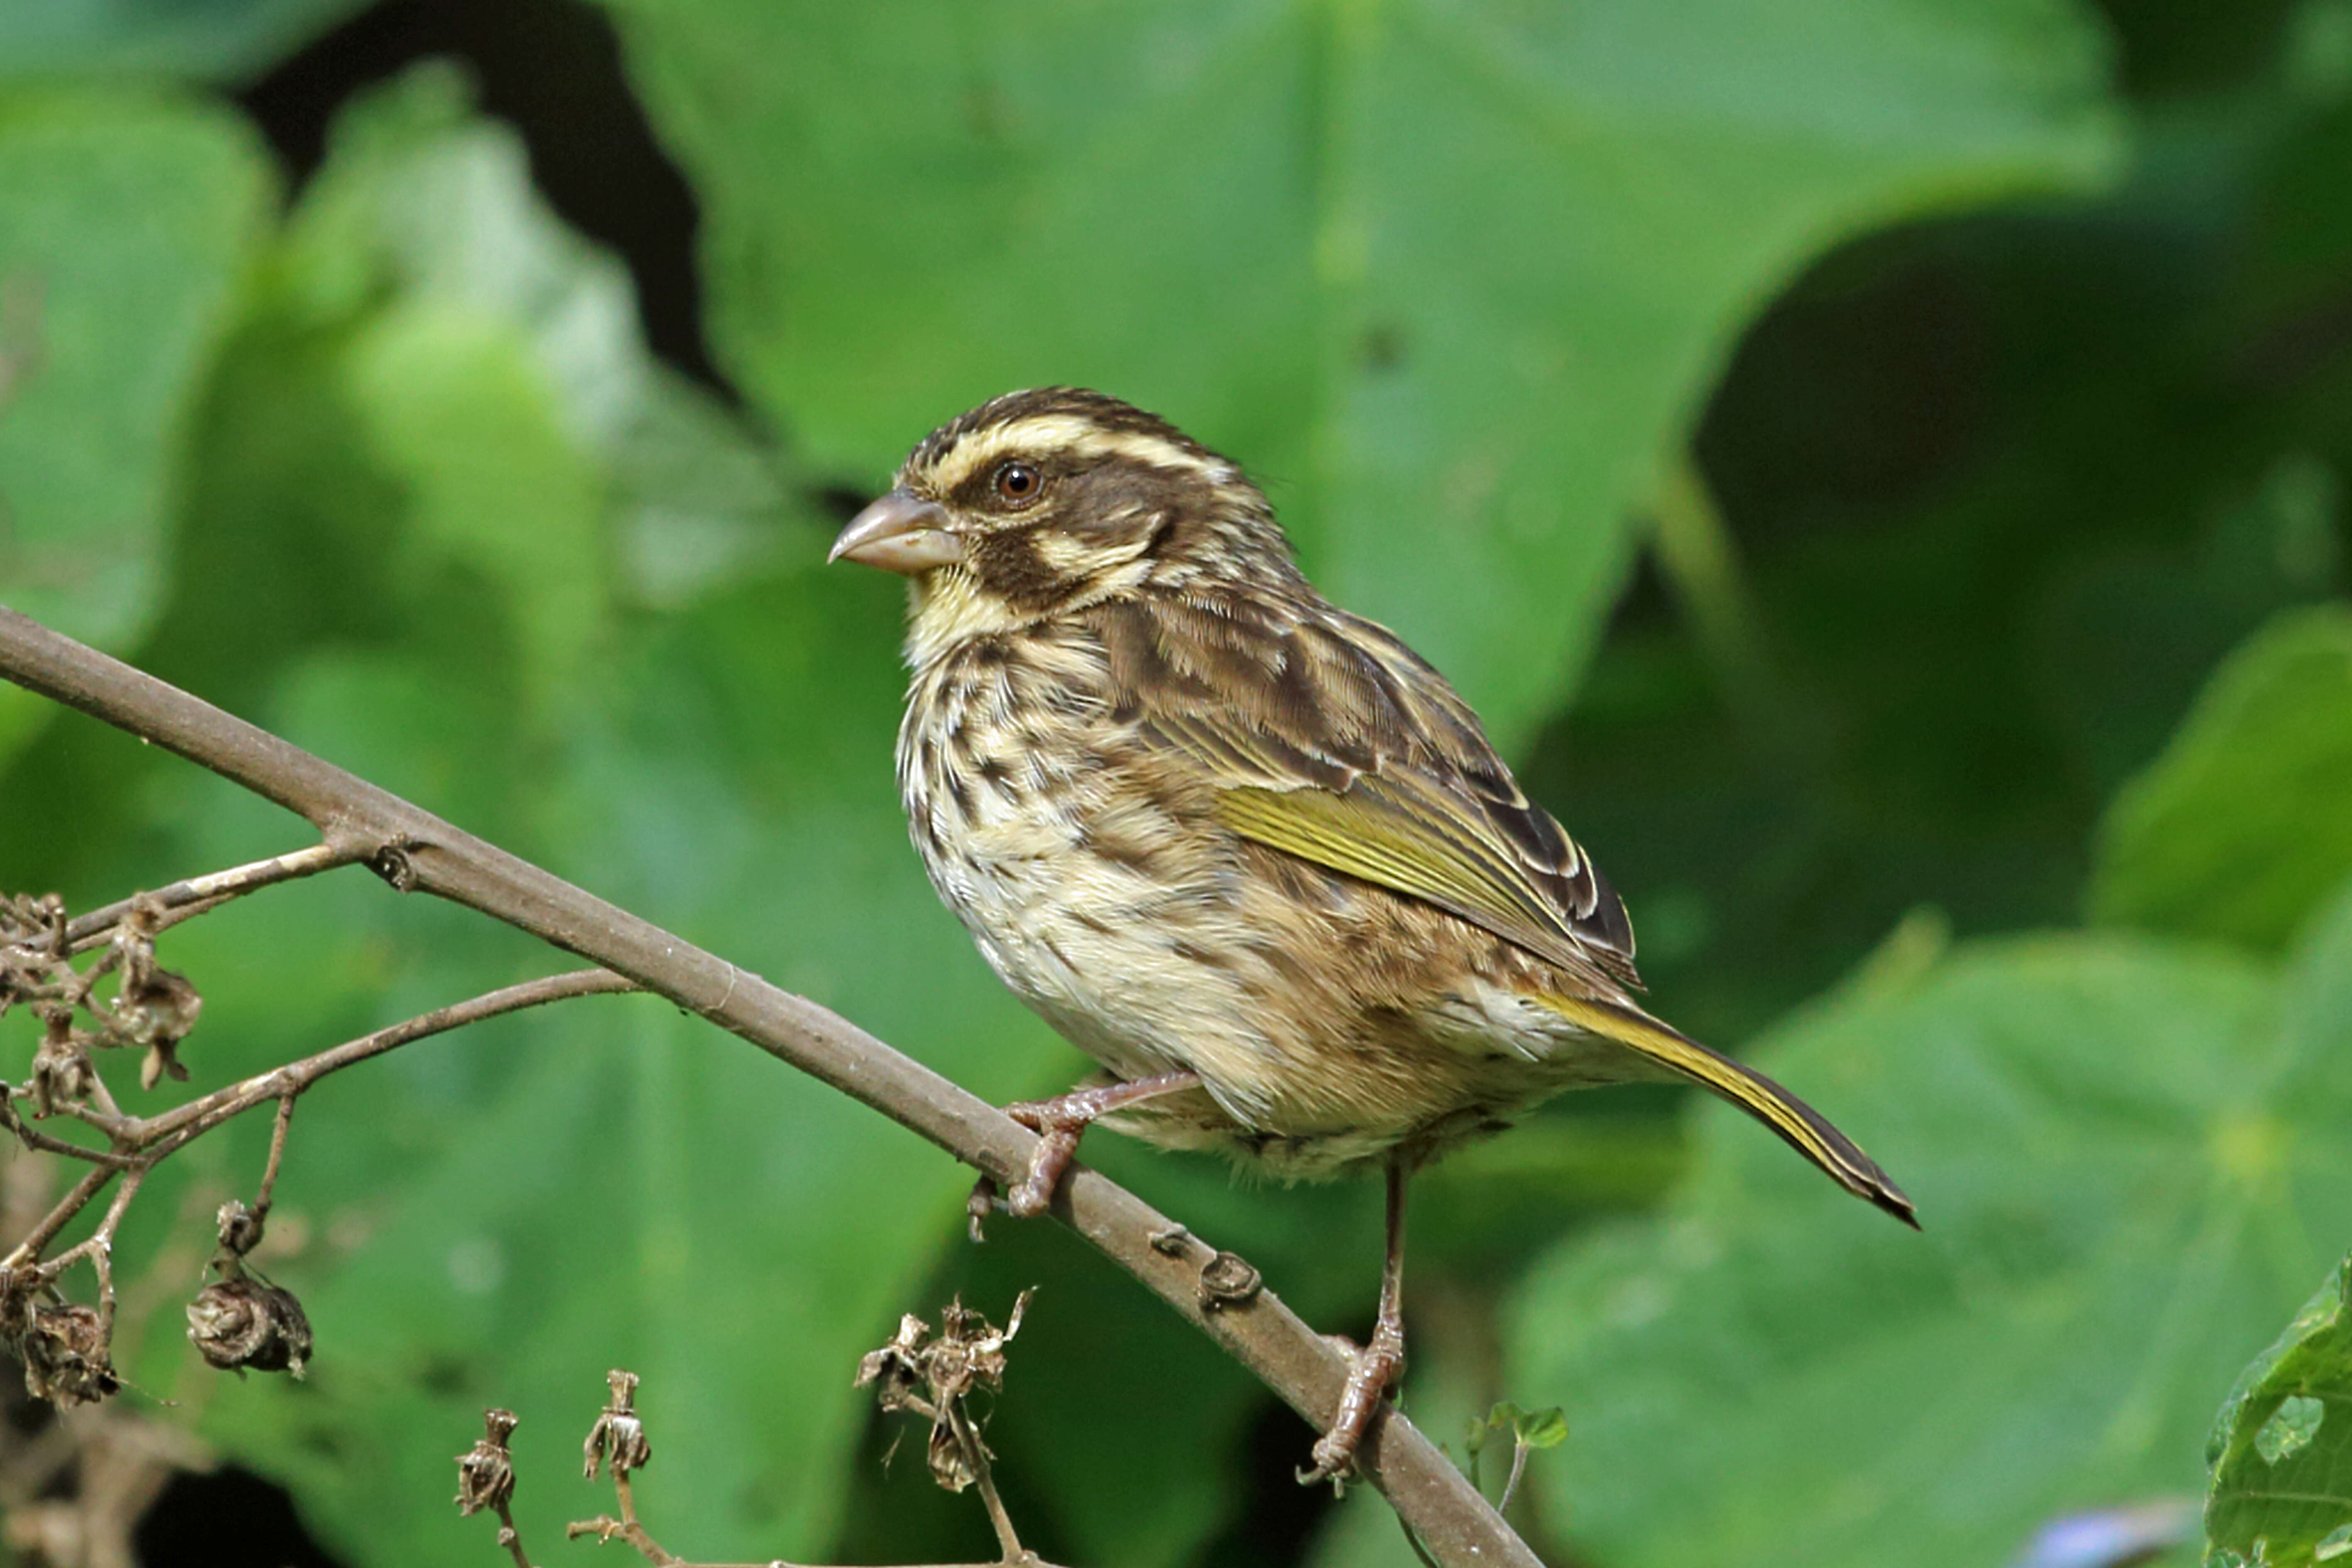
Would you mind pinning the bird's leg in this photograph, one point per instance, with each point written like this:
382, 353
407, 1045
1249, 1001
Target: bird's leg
1059, 1123
1377, 1365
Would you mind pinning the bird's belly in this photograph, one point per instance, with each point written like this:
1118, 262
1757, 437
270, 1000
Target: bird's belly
1148, 974
1111, 957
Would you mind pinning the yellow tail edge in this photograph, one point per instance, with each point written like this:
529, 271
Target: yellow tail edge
1807, 1130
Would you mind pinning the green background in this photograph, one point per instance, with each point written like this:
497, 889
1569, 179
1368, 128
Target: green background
1877, 468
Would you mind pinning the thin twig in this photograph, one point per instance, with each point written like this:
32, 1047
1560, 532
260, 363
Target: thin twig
175, 1128
72, 1204
416, 850
277, 1154
975, 1455
1518, 1468
197, 895
509, 1537
108, 1115
101, 1249
33, 1138
604, 1527
77, 992
608, 1529
140, 1143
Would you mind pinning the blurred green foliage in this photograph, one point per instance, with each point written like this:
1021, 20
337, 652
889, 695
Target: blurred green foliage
1916, 436
2178, 856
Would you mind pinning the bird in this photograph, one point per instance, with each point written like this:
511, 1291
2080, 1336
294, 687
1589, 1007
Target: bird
1246, 850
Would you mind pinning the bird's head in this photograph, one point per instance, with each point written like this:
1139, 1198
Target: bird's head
1037, 503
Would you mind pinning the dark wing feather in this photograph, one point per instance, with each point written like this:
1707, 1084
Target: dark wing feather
1328, 739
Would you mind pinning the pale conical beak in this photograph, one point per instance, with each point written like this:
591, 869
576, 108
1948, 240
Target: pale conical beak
900, 532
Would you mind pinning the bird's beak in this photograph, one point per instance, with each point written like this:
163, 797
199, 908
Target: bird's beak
902, 532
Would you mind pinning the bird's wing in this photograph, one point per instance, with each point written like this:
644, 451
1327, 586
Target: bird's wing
1326, 738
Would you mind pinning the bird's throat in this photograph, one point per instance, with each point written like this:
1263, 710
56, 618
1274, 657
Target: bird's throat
946, 608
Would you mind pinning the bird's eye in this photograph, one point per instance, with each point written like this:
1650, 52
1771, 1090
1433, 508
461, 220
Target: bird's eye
1019, 483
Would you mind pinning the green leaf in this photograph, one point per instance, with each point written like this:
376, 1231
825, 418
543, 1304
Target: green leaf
2281, 1453
214, 41
125, 223
1451, 277
453, 403
2127, 1154
2245, 822
430, 203
1543, 1428
1533, 1429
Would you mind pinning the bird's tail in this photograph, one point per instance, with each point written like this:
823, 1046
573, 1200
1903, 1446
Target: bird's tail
1806, 1130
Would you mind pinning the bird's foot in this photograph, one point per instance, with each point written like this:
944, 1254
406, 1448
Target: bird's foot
1059, 1123
1371, 1373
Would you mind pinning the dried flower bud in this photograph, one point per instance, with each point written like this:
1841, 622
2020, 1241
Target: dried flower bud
65, 1354
241, 1322
32, 948
240, 1227
61, 1071
897, 1367
619, 1434
486, 1471
158, 1012
25, 918
916, 1371
950, 1454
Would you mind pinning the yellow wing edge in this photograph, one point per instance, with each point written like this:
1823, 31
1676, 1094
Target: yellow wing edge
1806, 1130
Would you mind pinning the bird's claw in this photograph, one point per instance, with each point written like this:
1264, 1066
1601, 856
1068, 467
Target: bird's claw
1373, 1370
1334, 1462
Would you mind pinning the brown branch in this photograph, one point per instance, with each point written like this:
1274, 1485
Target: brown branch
414, 849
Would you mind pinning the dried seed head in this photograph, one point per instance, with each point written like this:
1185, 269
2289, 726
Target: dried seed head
240, 1323
32, 948
158, 1013
619, 1434
25, 918
65, 1354
240, 1227
930, 1376
898, 1367
951, 1461
486, 1471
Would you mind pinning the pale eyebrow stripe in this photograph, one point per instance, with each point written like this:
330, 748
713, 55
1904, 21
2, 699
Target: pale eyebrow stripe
1070, 433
